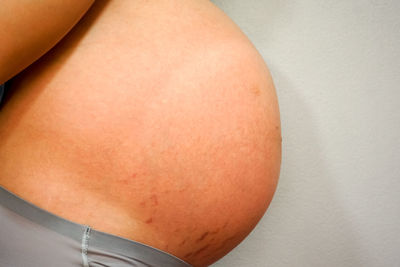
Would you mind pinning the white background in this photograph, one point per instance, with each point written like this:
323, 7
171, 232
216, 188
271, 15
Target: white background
336, 67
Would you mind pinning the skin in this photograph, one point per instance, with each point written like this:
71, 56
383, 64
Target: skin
28, 29
153, 120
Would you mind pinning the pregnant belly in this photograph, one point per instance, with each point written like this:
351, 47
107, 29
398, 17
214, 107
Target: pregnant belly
157, 122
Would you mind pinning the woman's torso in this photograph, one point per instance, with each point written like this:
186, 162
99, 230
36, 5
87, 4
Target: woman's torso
153, 120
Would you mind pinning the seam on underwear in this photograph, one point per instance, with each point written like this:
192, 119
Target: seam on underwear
85, 245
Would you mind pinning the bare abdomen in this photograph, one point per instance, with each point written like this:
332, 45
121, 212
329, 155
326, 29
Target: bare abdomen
159, 119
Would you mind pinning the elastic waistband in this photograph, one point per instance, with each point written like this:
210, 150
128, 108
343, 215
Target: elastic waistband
74, 230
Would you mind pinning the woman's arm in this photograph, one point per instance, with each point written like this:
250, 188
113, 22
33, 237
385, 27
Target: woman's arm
29, 28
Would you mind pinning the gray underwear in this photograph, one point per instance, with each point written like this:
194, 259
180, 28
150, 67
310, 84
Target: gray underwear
33, 237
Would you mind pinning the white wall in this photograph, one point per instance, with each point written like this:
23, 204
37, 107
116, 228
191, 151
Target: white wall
336, 67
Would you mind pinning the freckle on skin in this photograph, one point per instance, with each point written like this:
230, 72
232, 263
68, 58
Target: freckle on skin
181, 190
214, 232
143, 203
154, 199
225, 242
202, 237
150, 220
255, 89
133, 175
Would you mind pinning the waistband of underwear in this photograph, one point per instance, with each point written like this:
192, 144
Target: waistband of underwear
74, 230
